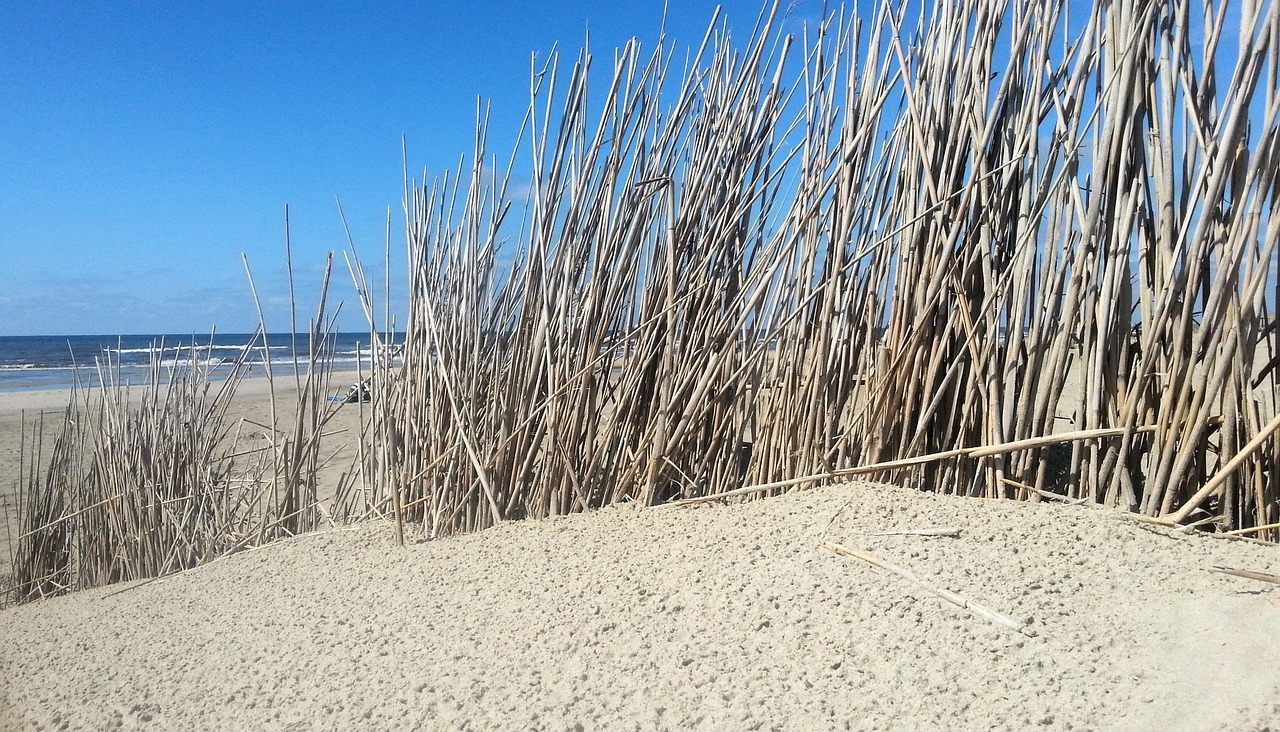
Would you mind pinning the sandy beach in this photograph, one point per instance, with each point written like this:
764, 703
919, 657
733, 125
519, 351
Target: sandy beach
23, 412
20, 413
719, 617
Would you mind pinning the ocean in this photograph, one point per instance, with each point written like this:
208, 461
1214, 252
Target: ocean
56, 362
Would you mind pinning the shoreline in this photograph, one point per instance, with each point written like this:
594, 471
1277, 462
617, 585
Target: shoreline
14, 400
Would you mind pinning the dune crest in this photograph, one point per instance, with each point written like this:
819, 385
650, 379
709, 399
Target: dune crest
726, 617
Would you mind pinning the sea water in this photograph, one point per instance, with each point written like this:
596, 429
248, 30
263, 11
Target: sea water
57, 362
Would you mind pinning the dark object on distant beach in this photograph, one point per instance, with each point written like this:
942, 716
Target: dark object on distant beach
359, 393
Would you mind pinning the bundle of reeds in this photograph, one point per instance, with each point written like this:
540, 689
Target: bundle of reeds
886, 238
148, 479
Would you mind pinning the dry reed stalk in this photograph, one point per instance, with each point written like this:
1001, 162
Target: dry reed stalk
142, 481
891, 465
1250, 574
1252, 530
996, 617
878, 243
952, 533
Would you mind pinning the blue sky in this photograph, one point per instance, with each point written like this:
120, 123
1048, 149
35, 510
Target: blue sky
144, 147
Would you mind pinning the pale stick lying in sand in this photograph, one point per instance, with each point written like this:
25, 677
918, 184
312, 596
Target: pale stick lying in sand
953, 533
951, 597
1249, 574
1044, 494
972, 452
1251, 530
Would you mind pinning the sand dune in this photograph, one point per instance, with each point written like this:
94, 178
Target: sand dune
725, 617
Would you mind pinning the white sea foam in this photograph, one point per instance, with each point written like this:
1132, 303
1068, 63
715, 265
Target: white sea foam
382, 352
206, 363
149, 349
35, 367
196, 346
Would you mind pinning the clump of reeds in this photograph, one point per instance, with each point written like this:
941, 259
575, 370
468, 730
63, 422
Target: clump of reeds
884, 238
143, 480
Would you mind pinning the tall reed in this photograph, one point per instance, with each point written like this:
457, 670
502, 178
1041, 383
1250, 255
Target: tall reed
148, 479
880, 237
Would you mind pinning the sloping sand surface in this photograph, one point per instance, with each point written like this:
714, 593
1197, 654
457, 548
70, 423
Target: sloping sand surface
715, 618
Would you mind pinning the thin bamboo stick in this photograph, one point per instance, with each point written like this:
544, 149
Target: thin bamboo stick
972, 452
996, 617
